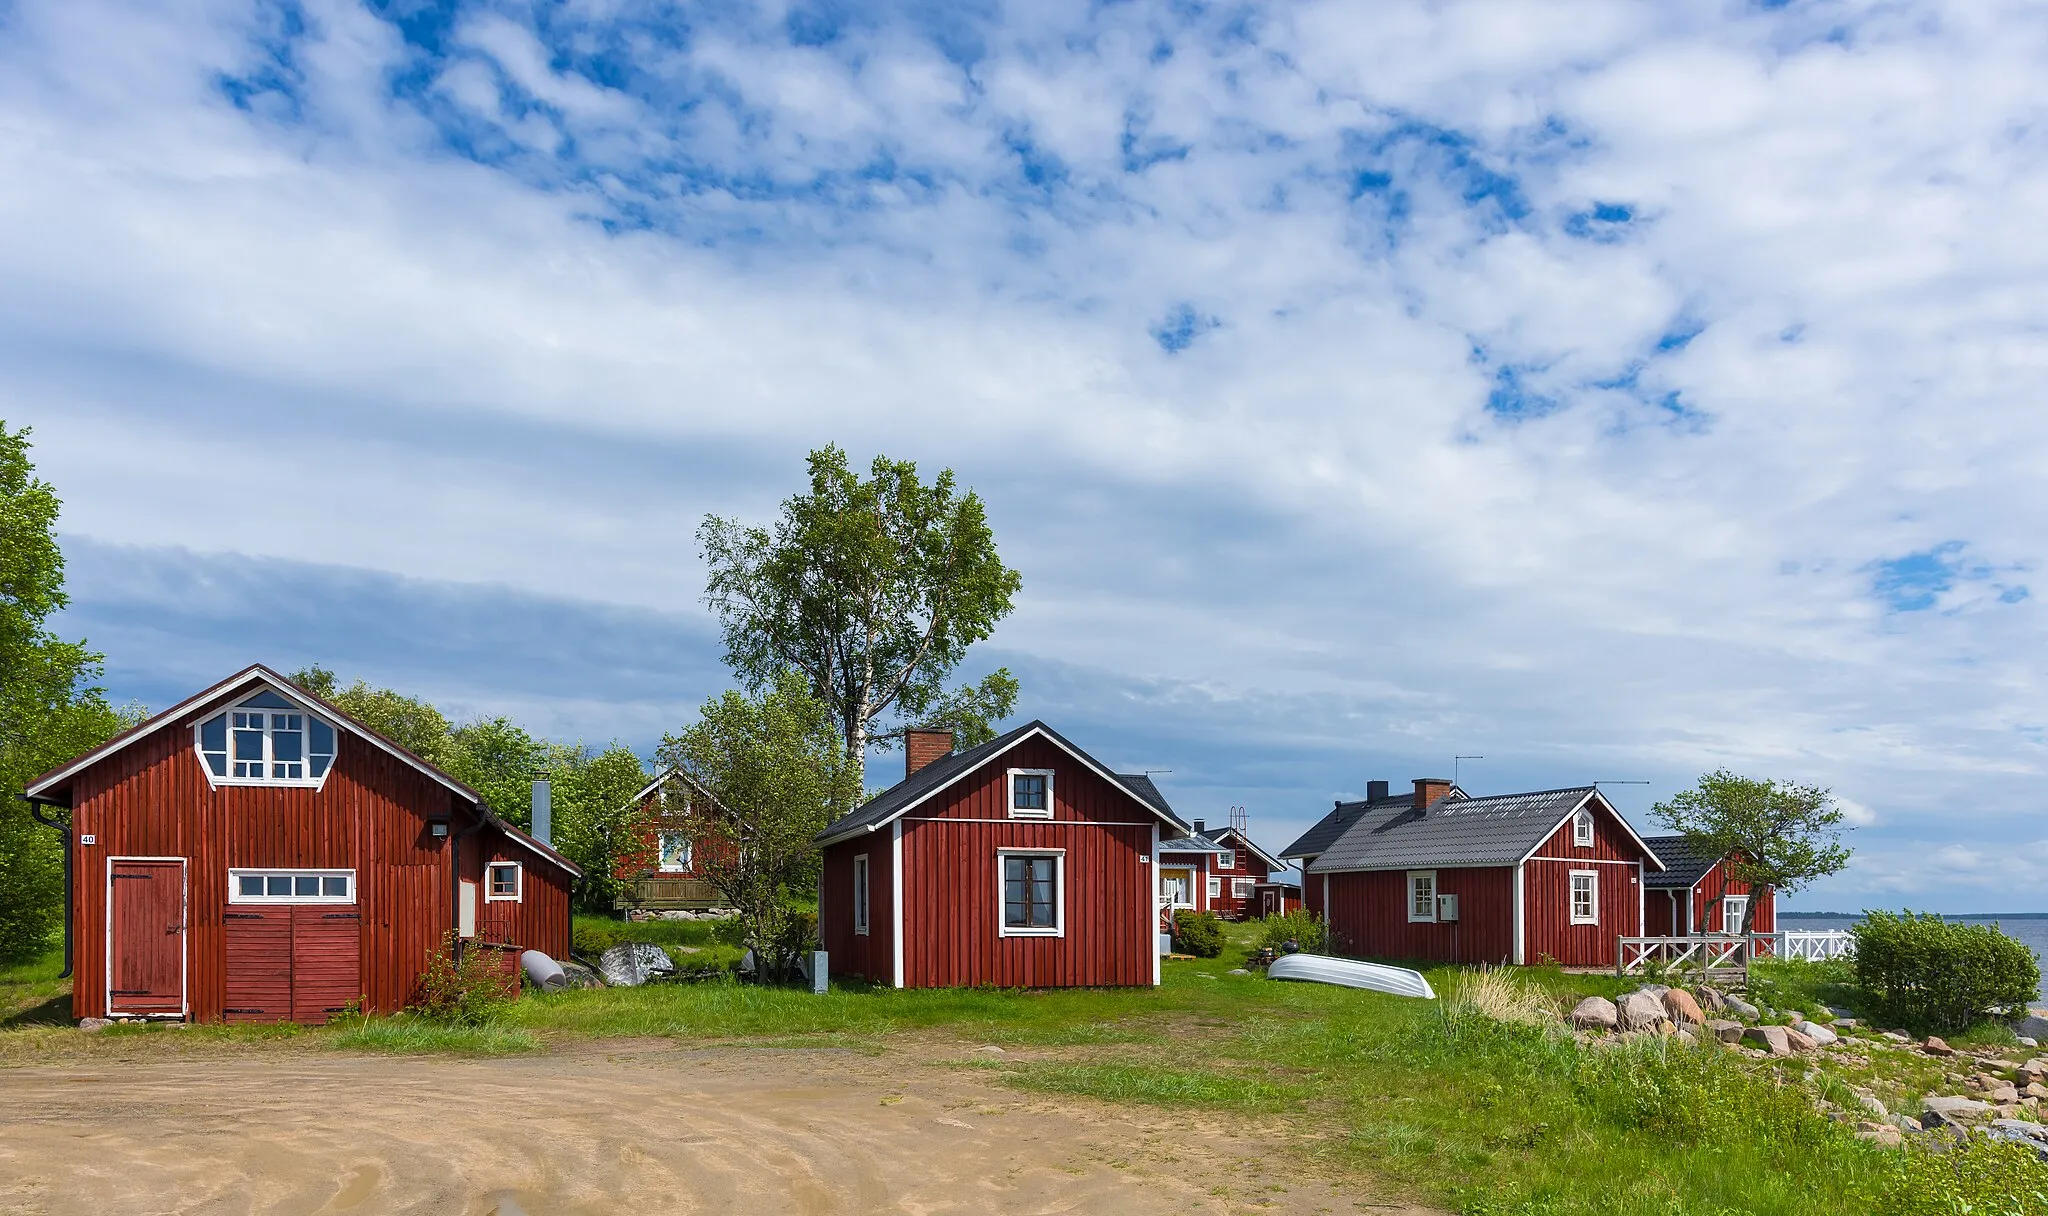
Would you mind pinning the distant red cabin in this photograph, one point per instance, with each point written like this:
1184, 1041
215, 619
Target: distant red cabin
1211, 869
662, 871
1696, 894
1021, 863
253, 854
1436, 874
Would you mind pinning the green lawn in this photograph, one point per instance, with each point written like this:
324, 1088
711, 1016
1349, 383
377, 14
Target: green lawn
1489, 1117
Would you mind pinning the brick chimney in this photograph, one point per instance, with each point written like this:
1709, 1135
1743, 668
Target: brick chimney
1375, 791
921, 747
1429, 791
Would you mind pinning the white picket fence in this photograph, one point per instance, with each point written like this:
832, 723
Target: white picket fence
1730, 951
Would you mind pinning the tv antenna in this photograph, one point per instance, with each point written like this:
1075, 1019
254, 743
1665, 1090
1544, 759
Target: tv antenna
1454, 765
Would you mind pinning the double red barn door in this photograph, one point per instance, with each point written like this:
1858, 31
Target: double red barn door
292, 962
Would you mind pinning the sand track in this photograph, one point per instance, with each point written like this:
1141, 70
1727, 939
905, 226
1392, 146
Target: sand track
647, 1127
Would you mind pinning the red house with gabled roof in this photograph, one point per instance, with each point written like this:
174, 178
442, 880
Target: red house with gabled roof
1021, 863
254, 854
1696, 893
1438, 874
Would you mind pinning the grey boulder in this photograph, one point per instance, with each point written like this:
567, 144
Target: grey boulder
1771, 1038
1642, 1011
1820, 1035
1740, 1008
631, 964
1595, 1013
1725, 1030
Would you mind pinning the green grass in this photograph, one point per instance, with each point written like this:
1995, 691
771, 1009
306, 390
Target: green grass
32, 995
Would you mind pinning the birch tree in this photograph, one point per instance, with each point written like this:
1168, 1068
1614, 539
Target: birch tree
872, 590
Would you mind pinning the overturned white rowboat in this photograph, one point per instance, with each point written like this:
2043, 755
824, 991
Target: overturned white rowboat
1322, 969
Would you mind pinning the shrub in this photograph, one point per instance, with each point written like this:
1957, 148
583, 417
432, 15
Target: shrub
466, 987
1934, 974
1198, 933
1979, 1177
1299, 926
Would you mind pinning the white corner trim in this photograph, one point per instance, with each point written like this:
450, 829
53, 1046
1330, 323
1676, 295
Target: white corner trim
896, 899
1151, 902
1521, 917
1059, 893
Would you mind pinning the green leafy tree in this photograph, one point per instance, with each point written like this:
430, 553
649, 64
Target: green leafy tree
596, 820
780, 771
872, 589
498, 759
410, 722
1778, 835
51, 706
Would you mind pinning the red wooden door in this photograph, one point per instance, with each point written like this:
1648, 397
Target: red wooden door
259, 957
146, 954
327, 944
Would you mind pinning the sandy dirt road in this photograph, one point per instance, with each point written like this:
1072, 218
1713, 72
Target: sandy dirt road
611, 1128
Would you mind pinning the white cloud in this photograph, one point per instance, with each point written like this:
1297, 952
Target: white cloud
386, 292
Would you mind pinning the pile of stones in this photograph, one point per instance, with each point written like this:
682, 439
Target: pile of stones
1707, 1013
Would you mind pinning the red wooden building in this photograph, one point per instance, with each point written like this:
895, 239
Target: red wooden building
1022, 862
253, 854
662, 872
1696, 894
1211, 869
1556, 875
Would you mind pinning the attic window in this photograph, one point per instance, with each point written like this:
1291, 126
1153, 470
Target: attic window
265, 740
1030, 793
1226, 860
1582, 829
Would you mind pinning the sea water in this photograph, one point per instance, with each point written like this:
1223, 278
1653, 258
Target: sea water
2029, 927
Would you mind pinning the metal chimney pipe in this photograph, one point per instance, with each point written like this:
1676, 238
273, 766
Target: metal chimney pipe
543, 813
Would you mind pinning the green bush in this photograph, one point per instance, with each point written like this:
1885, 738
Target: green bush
466, 987
593, 935
1979, 1177
1300, 926
1198, 933
1936, 975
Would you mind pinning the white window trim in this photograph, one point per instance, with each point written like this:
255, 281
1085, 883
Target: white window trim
1730, 922
1226, 860
861, 894
1215, 887
518, 883
1430, 917
1010, 793
305, 751
1571, 896
661, 864
236, 873
1241, 888
1164, 899
1582, 830
1059, 893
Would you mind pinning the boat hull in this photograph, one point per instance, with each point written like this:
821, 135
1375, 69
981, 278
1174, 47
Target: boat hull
1349, 973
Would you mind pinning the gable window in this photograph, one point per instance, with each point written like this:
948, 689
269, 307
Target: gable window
674, 849
1422, 896
1226, 860
1582, 829
860, 894
502, 880
1033, 891
1585, 897
1030, 793
291, 886
268, 740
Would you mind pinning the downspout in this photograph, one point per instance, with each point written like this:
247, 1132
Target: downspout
35, 808
455, 877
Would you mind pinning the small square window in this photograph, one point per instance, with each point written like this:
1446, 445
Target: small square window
334, 887
279, 884
306, 884
251, 884
1030, 793
502, 881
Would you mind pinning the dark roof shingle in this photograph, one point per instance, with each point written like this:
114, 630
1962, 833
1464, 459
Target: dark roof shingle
1685, 861
1496, 830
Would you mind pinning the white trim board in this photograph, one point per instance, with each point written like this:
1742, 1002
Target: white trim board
1590, 796
1059, 894
896, 898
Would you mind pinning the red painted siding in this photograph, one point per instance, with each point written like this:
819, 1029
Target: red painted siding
1369, 916
1245, 864
152, 798
870, 955
1549, 935
1715, 884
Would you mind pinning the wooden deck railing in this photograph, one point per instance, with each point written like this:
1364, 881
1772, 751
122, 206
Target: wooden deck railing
1731, 951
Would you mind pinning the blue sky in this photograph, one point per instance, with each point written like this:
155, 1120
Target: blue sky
1615, 394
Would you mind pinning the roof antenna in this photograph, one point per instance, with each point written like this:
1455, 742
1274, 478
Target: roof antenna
1454, 765
1598, 784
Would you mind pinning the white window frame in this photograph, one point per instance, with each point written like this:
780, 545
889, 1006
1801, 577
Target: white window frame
661, 863
237, 873
860, 894
1010, 793
1417, 879
1592, 878
270, 727
1166, 899
1226, 860
491, 895
1582, 830
1058, 927
1215, 887
1730, 922
1241, 888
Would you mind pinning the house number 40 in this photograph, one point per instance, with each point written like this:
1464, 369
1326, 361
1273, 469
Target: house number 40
88, 838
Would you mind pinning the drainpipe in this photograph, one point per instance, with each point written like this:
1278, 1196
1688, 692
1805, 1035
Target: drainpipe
36, 807
455, 876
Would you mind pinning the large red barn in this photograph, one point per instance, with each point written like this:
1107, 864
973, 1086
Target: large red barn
1551, 876
1021, 863
253, 854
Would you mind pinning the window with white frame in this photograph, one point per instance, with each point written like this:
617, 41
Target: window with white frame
291, 886
1033, 893
674, 849
1585, 897
1422, 895
1226, 860
1582, 829
502, 881
267, 740
860, 894
1215, 887
1733, 908
1241, 888
1030, 793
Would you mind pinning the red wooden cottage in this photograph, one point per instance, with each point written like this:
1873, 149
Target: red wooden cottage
1210, 869
1696, 894
253, 854
1022, 862
661, 872
1239, 870
1555, 875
